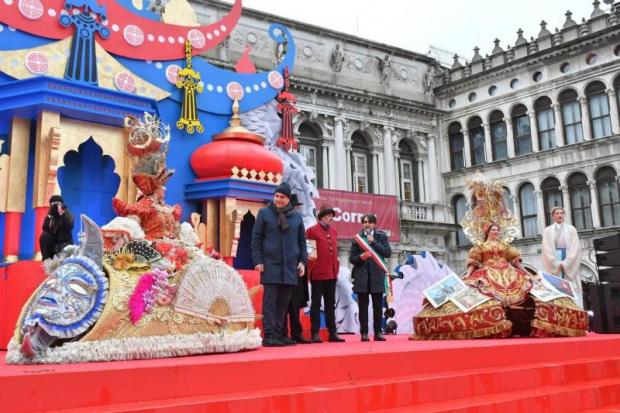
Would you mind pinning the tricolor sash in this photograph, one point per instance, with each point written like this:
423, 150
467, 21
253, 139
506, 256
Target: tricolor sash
378, 259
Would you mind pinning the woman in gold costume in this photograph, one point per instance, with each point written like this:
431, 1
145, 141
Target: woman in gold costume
494, 269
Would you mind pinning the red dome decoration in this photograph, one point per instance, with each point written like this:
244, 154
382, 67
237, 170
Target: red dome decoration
237, 153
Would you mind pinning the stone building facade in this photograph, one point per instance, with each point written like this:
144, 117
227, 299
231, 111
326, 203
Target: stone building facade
542, 116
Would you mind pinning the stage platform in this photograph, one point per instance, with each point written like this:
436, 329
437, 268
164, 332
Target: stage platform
474, 376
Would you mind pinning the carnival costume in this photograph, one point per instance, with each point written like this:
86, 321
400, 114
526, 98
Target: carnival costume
511, 309
150, 293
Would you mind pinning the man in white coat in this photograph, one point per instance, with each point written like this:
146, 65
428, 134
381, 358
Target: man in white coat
561, 252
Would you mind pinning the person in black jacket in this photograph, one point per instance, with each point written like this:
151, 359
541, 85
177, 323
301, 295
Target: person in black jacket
57, 228
279, 254
369, 276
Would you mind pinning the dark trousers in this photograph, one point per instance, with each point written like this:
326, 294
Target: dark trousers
292, 312
47, 243
362, 301
276, 298
326, 290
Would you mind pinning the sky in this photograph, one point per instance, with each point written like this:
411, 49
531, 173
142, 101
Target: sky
451, 25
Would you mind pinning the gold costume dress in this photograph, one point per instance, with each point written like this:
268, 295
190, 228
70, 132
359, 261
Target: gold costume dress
511, 310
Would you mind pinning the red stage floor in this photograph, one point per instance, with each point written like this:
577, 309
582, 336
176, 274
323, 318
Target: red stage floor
511, 375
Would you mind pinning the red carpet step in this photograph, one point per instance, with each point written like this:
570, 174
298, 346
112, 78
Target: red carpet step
513, 375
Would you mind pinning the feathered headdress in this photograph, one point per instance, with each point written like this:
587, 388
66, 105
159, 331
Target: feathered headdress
488, 209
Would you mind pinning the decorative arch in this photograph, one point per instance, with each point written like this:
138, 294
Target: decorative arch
499, 140
580, 201
528, 209
606, 178
551, 189
361, 161
456, 146
521, 129
545, 120
476, 140
599, 109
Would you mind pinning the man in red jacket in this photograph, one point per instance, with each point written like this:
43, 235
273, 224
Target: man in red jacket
323, 274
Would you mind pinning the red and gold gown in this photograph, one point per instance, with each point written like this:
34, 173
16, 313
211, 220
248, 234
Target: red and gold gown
496, 275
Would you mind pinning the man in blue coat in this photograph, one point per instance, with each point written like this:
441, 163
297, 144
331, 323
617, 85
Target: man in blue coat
279, 254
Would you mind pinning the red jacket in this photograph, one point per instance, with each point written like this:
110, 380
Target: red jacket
326, 266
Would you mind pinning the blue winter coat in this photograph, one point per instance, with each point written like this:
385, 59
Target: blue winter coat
279, 251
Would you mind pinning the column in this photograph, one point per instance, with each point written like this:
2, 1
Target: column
596, 219
348, 186
420, 178
332, 165
540, 215
613, 111
568, 213
434, 178
425, 180
375, 172
382, 177
510, 137
397, 173
325, 166
516, 208
560, 140
388, 160
585, 118
488, 150
534, 131
342, 160
466, 149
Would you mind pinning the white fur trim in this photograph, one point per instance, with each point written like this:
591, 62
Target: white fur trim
136, 348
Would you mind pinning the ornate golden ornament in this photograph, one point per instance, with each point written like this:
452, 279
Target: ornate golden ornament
189, 81
488, 207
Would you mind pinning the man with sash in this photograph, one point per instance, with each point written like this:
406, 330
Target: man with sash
369, 249
561, 252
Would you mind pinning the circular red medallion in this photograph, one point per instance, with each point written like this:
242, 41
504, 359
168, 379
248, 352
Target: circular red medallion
30, 9
36, 63
276, 80
234, 91
197, 38
124, 81
133, 35
172, 73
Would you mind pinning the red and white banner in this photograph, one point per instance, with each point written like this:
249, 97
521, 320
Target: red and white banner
351, 206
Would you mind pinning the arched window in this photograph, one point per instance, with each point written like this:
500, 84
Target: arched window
476, 140
499, 142
507, 198
361, 163
455, 136
546, 123
580, 201
571, 116
408, 172
608, 199
598, 104
310, 148
459, 206
552, 197
521, 129
527, 204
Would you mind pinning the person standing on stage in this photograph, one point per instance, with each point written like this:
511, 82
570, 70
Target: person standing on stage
299, 300
369, 249
323, 274
561, 252
279, 254
57, 228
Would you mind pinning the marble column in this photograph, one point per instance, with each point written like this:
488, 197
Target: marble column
596, 218
388, 156
466, 149
434, 177
420, 179
375, 172
613, 111
534, 131
568, 214
510, 137
349, 168
397, 173
540, 215
325, 166
488, 150
560, 140
342, 169
585, 118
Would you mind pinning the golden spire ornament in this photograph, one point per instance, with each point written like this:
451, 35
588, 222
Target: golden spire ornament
189, 81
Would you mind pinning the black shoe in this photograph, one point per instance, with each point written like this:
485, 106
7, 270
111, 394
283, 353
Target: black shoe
301, 340
272, 342
287, 341
333, 338
316, 338
379, 337
365, 337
